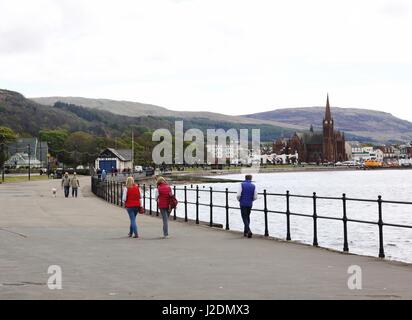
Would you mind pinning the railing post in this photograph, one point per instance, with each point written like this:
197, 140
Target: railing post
380, 224
121, 195
211, 207
157, 208
345, 225
266, 213
114, 192
119, 201
197, 204
315, 222
107, 191
174, 213
150, 198
288, 237
111, 192
144, 197
123, 186
117, 193
227, 209
186, 219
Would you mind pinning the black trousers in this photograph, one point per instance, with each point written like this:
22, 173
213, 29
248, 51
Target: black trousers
246, 219
66, 191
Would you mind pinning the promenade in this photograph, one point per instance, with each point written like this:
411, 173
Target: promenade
87, 238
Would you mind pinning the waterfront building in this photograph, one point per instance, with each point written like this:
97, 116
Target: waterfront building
327, 145
390, 152
24, 148
406, 151
22, 160
232, 154
361, 154
110, 159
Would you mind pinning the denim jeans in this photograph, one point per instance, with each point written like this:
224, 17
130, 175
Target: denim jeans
132, 215
74, 192
246, 219
165, 216
66, 191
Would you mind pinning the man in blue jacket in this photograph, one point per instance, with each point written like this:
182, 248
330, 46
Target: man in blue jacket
246, 195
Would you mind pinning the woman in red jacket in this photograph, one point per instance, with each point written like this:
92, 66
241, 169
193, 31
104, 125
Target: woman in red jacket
162, 196
131, 199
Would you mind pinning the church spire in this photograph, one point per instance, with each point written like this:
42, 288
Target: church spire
328, 114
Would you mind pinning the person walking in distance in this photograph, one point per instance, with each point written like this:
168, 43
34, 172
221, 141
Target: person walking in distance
104, 174
131, 198
75, 184
246, 195
163, 195
66, 184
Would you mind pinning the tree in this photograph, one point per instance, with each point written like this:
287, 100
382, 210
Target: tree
7, 136
144, 148
81, 148
55, 140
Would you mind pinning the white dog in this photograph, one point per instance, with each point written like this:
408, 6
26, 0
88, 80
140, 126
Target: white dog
54, 191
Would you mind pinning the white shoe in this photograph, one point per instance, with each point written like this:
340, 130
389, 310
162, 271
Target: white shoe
166, 237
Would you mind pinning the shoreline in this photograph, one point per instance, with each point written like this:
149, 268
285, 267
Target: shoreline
216, 173
212, 176
204, 176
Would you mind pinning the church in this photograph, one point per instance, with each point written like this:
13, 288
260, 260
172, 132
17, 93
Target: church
316, 146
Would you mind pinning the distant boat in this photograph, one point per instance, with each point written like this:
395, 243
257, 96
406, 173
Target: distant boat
372, 164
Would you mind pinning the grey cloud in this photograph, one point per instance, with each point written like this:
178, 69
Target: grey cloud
396, 8
20, 41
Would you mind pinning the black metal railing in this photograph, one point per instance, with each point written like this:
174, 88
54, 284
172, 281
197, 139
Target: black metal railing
111, 191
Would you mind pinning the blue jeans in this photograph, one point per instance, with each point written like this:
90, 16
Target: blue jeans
132, 215
165, 216
74, 192
246, 219
66, 191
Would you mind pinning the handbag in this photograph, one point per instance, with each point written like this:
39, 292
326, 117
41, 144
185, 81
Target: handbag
173, 202
142, 210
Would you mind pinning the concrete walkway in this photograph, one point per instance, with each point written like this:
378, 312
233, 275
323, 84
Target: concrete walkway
88, 239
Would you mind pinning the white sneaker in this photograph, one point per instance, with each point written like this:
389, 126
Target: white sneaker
166, 237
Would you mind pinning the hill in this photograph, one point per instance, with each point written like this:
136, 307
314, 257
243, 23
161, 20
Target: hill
136, 109
358, 124
111, 118
28, 117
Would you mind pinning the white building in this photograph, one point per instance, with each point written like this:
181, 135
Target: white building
285, 158
234, 153
20, 149
361, 154
348, 149
112, 159
22, 160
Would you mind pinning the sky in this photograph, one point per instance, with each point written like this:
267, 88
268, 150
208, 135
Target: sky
227, 56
